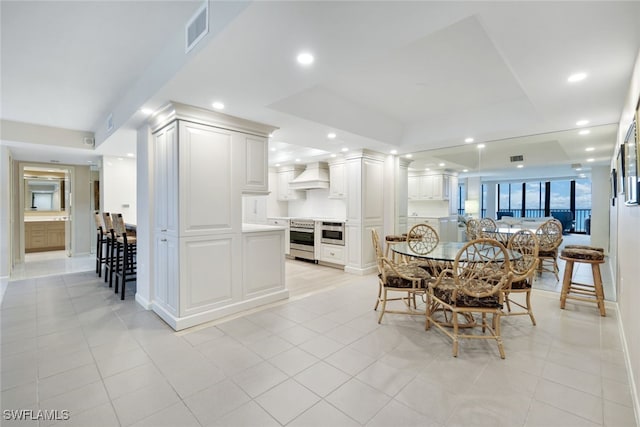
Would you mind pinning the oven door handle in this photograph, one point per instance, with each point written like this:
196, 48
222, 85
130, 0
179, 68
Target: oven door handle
302, 230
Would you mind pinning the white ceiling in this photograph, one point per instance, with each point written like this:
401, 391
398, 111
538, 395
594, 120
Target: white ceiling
409, 76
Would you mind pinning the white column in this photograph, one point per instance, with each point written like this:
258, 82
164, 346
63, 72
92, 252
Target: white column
600, 205
474, 193
144, 217
5, 204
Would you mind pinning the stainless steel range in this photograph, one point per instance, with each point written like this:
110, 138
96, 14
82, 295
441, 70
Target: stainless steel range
301, 239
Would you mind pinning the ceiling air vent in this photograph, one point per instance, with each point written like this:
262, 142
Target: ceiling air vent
197, 27
518, 158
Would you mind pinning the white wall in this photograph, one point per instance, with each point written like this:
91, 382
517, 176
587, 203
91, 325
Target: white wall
144, 272
5, 199
318, 205
626, 226
274, 207
119, 187
83, 222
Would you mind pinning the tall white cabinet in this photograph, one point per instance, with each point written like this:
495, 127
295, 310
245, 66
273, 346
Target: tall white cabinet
203, 162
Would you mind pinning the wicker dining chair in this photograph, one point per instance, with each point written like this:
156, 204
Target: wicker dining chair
407, 279
473, 229
422, 239
474, 286
549, 236
487, 224
525, 243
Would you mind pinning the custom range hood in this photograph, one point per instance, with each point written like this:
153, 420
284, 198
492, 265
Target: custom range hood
316, 175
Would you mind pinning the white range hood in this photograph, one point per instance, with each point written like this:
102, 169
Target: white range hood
316, 175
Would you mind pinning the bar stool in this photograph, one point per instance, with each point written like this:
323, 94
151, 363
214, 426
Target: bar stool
101, 242
110, 248
583, 291
393, 239
126, 249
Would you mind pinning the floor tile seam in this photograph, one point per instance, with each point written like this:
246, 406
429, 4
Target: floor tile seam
237, 383
563, 409
72, 414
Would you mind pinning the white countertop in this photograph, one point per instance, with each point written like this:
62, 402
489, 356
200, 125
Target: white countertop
256, 228
45, 218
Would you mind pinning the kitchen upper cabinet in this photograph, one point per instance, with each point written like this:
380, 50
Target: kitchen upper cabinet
285, 192
428, 187
337, 183
256, 172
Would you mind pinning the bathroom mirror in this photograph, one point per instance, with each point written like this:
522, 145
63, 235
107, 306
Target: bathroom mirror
44, 194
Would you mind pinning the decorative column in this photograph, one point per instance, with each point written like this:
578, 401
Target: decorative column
365, 173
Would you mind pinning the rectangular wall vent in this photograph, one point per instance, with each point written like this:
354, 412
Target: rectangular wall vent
110, 123
518, 158
197, 27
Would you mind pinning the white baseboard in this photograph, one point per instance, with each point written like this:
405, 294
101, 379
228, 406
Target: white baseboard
179, 323
625, 348
360, 271
145, 303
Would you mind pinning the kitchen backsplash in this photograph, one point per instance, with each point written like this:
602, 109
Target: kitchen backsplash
318, 205
429, 208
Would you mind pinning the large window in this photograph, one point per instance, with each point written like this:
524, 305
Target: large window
546, 198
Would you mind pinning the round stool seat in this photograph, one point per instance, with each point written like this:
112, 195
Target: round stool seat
582, 254
592, 248
395, 238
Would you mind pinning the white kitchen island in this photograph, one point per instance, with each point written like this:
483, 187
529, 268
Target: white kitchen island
207, 264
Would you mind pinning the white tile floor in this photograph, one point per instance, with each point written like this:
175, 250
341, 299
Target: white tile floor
319, 359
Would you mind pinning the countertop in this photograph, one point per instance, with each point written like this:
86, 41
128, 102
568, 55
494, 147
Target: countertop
45, 218
310, 218
256, 228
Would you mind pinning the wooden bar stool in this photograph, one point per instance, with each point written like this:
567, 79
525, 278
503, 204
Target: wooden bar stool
101, 242
125, 268
110, 248
583, 291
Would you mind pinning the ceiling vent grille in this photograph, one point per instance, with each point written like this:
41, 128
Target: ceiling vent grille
518, 158
197, 27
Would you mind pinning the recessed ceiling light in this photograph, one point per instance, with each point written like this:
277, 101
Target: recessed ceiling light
345, 149
465, 170
305, 58
589, 149
272, 148
408, 156
89, 161
441, 164
297, 160
582, 122
271, 135
427, 169
331, 135
333, 155
468, 140
590, 160
146, 111
277, 165
120, 158
218, 105
394, 152
130, 154
481, 145
573, 78
584, 132
520, 166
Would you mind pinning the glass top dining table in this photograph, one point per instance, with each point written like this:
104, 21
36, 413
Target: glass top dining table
444, 251
503, 234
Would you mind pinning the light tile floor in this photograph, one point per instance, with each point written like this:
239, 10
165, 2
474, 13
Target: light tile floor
319, 359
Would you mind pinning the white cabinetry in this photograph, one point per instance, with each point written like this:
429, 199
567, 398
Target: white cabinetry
263, 263
433, 222
203, 162
287, 232
256, 172
285, 175
428, 187
334, 254
337, 184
